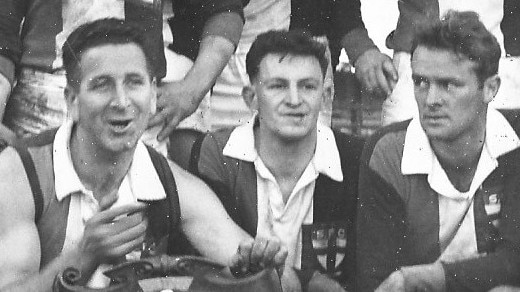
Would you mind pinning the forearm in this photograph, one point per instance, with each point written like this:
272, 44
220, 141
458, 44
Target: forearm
5, 91
356, 42
44, 280
216, 47
483, 273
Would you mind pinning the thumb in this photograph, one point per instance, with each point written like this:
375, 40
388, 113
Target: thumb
108, 200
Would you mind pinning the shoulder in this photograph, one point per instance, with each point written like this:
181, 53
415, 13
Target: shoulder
213, 145
386, 142
219, 137
186, 182
17, 201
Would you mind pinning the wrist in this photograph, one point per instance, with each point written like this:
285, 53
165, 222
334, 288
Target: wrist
428, 277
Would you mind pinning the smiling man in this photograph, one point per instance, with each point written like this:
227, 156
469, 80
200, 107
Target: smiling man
90, 194
282, 173
438, 207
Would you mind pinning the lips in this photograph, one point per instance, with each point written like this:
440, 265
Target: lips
120, 125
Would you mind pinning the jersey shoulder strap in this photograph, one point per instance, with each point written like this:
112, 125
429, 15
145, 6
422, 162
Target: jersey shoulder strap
34, 182
164, 215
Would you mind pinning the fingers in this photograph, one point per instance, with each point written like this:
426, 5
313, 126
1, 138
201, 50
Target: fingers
124, 239
390, 72
105, 240
257, 252
107, 200
157, 119
253, 255
280, 257
244, 250
381, 81
108, 216
168, 128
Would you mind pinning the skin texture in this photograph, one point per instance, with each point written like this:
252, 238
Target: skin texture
112, 90
288, 100
114, 99
376, 71
452, 104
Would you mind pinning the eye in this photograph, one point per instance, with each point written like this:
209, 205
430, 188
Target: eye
310, 86
99, 84
135, 81
420, 82
448, 85
276, 85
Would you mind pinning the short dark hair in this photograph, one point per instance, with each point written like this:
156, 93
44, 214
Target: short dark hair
297, 43
464, 34
97, 33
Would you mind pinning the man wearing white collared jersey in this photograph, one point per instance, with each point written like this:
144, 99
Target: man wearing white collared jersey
282, 173
438, 195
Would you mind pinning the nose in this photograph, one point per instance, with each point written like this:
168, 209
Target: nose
433, 96
293, 96
120, 96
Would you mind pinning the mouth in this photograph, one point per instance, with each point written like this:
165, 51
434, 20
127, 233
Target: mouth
296, 115
434, 118
120, 125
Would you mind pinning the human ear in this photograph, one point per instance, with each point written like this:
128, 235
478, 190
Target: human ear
490, 88
249, 96
326, 95
72, 102
153, 97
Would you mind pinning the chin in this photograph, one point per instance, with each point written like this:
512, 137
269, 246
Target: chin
439, 134
117, 146
292, 134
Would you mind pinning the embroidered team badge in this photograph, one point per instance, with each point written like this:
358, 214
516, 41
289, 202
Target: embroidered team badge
492, 204
324, 247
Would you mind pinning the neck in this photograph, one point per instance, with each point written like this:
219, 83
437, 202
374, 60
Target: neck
99, 171
285, 158
459, 158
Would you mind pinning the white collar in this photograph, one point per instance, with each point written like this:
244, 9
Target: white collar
241, 145
143, 178
500, 139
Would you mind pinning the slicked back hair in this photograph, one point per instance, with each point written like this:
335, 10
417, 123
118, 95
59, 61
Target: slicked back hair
294, 43
101, 32
465, 35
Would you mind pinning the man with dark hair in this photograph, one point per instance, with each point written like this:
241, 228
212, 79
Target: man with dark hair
438, 195
501, 18
283, 173
336, 23
90, 194
32, 78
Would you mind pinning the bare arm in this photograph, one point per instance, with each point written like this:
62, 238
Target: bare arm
204, 220
215, 235
104, 238
19, 241
178, 100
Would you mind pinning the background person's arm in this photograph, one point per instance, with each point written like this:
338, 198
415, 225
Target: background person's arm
374, 69
11, 15
178, 100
